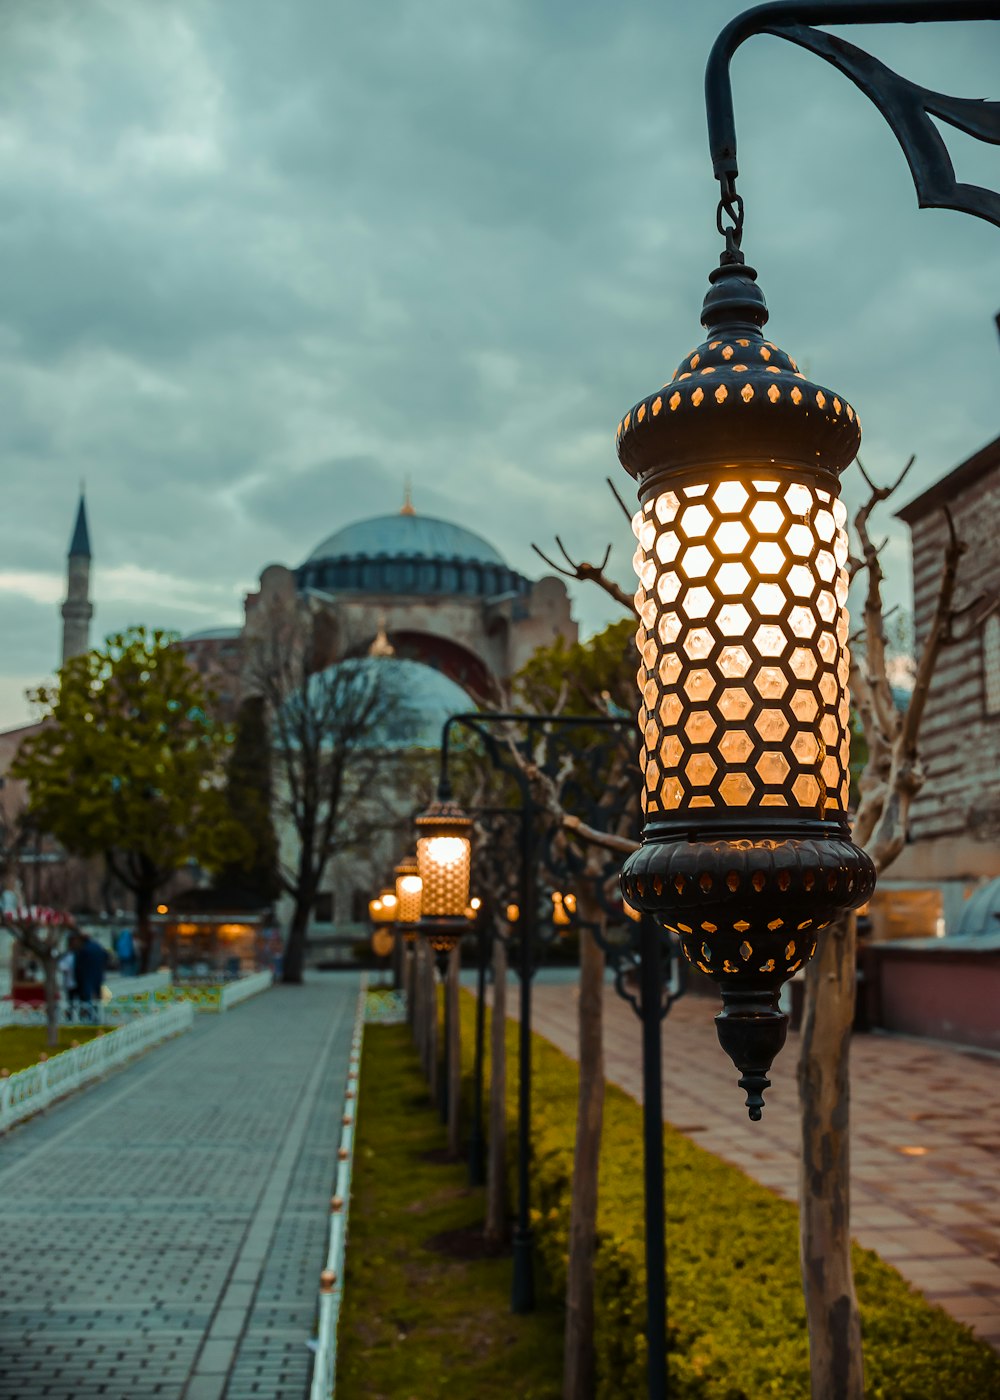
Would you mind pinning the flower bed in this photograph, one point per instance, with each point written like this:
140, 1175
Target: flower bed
736, 1319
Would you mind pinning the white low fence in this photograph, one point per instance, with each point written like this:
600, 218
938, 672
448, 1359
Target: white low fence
145, 984
35, 1088
235, 992
331, 1280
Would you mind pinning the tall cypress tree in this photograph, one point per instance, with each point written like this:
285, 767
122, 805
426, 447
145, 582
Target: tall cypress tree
248, 793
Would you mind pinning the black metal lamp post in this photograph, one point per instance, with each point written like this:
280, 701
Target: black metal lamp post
741, 558
523, 1279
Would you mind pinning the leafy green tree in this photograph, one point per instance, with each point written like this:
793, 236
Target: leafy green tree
129, 765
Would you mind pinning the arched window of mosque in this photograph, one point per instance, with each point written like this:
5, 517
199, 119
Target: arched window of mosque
470, 579
449, 579
425, 578
991, 664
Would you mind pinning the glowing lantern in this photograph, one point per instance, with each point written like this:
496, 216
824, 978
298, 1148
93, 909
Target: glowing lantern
743, 642
444, 856
382, 909
408, 892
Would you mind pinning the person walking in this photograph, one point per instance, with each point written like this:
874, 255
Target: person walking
89, 962
125, 952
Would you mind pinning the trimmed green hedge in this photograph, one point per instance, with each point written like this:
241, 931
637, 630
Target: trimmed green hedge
736, 1319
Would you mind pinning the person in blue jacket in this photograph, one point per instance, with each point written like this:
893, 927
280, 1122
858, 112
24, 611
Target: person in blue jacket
89, 963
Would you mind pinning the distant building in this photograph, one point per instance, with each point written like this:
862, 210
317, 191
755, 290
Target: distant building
953, 841
433, 591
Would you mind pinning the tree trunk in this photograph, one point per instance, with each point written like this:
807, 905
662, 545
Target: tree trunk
408, 984
51, 965
148, 939
835, 1357
578, 1361
496, 1158
454, 1067
295, 944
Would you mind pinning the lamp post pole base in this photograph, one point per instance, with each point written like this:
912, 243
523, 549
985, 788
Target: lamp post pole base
522, 1296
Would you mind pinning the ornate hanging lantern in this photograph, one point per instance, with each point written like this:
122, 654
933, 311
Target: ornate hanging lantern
743, 629
444, 856
408, 894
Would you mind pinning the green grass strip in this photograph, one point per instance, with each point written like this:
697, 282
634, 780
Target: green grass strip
737, 1327
20, 1046
418, 1321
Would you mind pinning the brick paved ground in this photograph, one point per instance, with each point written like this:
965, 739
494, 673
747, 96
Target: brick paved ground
926, 1137
163, 1233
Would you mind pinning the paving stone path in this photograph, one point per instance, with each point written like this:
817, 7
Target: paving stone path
162, 1234
925, 1190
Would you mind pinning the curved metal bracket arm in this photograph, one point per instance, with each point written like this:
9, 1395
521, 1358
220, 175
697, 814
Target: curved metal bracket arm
907, 107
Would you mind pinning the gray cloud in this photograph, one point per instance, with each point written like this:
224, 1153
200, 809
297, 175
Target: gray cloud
258, 263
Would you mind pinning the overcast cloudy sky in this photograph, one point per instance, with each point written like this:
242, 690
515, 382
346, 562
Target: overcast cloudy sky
259, 262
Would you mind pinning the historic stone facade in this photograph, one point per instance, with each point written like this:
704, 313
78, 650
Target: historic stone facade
954, 834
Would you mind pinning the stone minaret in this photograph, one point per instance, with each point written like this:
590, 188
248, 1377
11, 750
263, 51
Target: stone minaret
77, 609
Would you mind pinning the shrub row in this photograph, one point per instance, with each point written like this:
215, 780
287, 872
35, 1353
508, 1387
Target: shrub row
736, 1319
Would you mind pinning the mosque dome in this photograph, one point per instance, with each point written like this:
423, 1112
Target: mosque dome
408, 553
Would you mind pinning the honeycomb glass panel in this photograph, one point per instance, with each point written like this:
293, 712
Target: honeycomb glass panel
697, 603
700, 726
696, 561
667, 587
768, 557
671, 751
701, 769
737, 789
670, 710
770, 682
769, 599
734, 662
803, 663
698, 643
767, 517
733, 580
694, 521
742, 639
773, 767
730, 537
801, 581
733, 620
771, 725
730, 497
736, 746
735, 704
670, 668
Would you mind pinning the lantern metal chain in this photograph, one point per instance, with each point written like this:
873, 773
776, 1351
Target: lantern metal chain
731, 205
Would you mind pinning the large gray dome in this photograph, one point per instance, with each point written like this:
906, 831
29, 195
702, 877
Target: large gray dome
408, 554
406, 536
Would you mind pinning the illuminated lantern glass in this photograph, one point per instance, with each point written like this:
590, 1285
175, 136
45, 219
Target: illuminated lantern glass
743, 670
408, 891
382, 909
444, 855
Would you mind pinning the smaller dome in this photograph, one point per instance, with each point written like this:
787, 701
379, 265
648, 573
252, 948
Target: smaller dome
414, 700
214, 634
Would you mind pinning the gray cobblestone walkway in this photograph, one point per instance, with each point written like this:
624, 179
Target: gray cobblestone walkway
163, 1233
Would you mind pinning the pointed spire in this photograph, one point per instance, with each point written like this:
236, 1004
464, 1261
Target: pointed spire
407, 500
79, 546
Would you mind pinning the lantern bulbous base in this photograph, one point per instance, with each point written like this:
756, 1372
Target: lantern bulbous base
748, 914
443, 934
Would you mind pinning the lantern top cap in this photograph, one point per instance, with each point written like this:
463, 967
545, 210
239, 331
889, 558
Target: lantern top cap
444, 818
408, 866
736, 400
